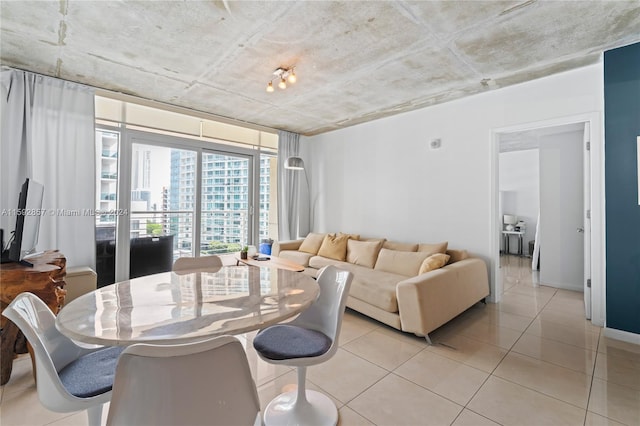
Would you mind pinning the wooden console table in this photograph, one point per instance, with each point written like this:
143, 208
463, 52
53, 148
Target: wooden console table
272, 262
46, 280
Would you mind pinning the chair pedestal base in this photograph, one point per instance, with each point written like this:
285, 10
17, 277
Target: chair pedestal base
285, 410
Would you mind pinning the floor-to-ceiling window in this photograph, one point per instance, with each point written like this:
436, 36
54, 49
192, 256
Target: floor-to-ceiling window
195, 187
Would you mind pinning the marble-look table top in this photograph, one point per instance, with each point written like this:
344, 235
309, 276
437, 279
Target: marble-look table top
171, 308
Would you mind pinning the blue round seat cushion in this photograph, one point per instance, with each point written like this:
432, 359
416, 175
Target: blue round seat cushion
284, 341
91, 374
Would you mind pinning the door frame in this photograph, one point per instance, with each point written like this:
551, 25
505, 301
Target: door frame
597, 237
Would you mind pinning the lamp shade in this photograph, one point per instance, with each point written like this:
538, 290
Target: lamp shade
509, 219
294, 163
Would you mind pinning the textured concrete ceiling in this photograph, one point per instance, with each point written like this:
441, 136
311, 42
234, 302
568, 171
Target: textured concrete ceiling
355, 60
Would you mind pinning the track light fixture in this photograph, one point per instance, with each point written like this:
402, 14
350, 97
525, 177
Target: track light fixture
283, 75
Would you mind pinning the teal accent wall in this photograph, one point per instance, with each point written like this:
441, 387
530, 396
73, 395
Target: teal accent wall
622, 127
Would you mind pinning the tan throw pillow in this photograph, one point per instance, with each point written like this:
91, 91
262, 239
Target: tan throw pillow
435, 261
457, 255
392, 245
400, 262
312, 243
434, 248
377, 240
363, 253
334, 247
351, 236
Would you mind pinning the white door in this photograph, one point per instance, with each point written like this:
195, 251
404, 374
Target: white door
562, 210
587, 219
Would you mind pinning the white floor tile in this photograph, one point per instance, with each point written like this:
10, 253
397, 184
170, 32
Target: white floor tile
525, 361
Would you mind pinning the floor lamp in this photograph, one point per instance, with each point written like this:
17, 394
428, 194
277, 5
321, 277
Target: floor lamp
296, 163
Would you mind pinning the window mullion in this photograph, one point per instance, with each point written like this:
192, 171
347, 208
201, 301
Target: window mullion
197, 220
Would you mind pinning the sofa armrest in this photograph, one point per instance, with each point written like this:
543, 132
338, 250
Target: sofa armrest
278, 246
432, 299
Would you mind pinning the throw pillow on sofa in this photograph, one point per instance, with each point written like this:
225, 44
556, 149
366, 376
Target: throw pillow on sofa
405, 263
334, 247
435, 261
434, 248
351, 236
393, 245
363, 253
312, 243
457, 255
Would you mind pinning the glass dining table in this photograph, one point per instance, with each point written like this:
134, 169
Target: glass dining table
187, 306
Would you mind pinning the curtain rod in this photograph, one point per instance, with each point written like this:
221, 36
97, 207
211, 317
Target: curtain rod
37, 74
112, 94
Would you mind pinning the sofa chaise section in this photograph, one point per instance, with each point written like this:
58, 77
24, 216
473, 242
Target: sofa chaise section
392, 291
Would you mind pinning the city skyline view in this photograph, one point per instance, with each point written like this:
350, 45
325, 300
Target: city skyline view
163, 195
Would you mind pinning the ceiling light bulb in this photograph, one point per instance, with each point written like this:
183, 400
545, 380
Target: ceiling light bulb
282, 84
270, 87
292, 77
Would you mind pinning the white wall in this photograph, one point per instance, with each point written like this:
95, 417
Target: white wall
561, 207
381, 179
519, 184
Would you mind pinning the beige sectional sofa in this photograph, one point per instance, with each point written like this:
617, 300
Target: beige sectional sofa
415, 288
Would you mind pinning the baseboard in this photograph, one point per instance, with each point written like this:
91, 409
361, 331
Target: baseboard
625, 336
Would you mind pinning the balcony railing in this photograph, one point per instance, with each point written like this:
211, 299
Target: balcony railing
228, 229
109, 175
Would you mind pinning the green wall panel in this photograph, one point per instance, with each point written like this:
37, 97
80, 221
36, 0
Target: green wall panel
622, 127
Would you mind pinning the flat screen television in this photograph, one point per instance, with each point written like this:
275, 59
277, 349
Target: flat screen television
25, 235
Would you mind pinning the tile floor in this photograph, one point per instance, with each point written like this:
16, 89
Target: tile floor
530, 360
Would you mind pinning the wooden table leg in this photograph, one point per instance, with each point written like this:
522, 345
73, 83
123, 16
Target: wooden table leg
7, 350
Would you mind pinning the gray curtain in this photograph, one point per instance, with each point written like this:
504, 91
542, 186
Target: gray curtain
48, 135
15, 155
288, 183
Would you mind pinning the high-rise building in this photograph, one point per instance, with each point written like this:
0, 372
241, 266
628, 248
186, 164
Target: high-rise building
106, 182
225, 200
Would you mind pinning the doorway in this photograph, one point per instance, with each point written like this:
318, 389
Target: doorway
559, 149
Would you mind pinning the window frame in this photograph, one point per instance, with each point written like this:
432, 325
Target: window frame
128, 137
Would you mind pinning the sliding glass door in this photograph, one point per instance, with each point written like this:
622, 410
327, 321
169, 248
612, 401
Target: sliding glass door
185, 199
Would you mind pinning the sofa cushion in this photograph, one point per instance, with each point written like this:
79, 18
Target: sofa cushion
392, 245
376, 288
320, 262
334, 247
400, 262
312, 243
457, 255
364, 253
296, 256
435, 261
433, 248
